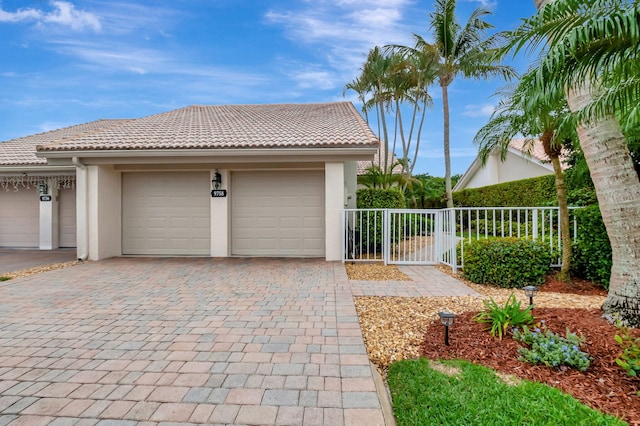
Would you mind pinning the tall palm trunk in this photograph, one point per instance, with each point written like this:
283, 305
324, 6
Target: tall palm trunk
444, 83
553, 152
618, 191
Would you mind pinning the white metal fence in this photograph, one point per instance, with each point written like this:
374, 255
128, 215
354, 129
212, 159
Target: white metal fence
428, 237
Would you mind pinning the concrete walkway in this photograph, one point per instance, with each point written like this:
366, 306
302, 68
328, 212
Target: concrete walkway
191, 341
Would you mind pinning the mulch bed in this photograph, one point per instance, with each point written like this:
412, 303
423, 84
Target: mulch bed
577, 286
603, 386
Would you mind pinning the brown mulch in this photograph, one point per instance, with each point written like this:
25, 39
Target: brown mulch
576, 286
603, 386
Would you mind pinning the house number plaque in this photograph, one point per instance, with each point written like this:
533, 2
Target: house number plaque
45, 198
219, 193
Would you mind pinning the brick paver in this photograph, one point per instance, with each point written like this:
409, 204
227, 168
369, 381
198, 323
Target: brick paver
190, 340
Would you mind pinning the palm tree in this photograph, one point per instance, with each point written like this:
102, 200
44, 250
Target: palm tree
457, 50
546, 119
591, 47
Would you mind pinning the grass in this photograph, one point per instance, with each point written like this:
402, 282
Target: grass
474, 395
4, 278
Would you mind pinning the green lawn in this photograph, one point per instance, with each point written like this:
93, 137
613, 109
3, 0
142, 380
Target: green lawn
474, 395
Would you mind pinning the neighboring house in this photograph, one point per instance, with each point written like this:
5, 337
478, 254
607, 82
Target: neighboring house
522, 161
144, 186
378, 160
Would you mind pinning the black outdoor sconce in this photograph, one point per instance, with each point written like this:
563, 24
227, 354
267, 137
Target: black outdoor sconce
217, 180
446, 318
530, 291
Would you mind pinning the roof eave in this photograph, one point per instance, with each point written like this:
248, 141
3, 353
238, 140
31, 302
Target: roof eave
267, 152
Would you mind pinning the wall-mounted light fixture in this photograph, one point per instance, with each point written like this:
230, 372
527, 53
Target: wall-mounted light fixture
43, 188
217, 180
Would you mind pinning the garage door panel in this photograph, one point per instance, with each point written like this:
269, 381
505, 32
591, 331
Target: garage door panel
278, 213
67, 217
166, 213
19, 218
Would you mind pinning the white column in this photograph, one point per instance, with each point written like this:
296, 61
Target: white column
334, 198
220, 225
82, 213
49, 232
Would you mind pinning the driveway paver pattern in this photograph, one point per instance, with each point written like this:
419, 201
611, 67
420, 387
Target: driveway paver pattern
189, 340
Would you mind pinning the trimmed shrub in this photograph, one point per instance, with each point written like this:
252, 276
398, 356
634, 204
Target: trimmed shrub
591, 254
376, 198
506, 262
540, 191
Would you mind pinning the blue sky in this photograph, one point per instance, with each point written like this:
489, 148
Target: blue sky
75, 61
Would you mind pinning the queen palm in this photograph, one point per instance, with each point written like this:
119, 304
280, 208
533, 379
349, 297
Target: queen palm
457, 50
591, 49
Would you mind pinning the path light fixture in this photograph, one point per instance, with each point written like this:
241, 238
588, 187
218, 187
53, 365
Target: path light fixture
530, 291
446, 318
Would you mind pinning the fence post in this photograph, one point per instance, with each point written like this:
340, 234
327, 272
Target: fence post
452, 232
386, 235
534, 229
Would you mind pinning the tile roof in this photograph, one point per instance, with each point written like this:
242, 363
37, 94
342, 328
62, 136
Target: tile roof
22, 151
327, 125
535, 150
378, 160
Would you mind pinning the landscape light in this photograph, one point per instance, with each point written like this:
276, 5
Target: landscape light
446, 318
530, 291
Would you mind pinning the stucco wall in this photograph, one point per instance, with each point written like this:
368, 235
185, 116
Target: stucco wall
334, 203
513, 168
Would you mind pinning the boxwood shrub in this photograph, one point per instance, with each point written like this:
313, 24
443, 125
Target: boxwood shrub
506, 262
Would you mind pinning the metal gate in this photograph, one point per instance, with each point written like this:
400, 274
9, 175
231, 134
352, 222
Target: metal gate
429, 237
398, 236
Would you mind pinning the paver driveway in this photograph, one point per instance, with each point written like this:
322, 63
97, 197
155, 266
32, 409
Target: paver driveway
191, 340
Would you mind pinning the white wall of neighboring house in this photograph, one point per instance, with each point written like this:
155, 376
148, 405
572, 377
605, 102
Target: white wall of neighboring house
516, 166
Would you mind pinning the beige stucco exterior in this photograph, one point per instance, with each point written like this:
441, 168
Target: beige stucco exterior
99, 195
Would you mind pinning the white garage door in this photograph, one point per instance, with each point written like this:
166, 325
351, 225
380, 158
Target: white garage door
277, 214
67, 213
19, 218
166, 213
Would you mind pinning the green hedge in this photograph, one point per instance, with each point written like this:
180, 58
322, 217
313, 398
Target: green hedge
534, 192
506, 262
591, 254
376, 198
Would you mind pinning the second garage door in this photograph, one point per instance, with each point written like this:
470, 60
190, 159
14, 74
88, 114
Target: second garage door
277, 214
19, 218
166, 213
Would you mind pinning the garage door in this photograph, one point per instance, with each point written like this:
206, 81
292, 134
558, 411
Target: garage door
166, 213
19, 218
67, 213
277, 214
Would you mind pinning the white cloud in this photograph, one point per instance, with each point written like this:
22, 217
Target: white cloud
63, 13
344, 31
484, 110
484, 3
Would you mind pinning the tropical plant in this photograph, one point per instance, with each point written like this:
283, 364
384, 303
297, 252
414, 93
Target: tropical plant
550, 349
388, 82
590, 50
503, 318
629, 359
521, 112
457, 51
